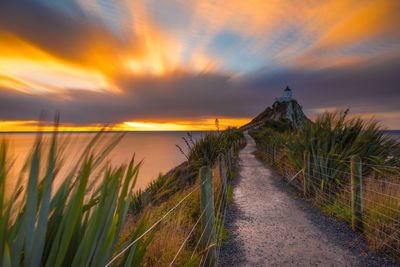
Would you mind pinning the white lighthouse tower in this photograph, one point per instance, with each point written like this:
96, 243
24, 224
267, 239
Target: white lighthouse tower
287, 95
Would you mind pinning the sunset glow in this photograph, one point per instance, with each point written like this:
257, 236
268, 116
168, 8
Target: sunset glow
104, 63
203, 125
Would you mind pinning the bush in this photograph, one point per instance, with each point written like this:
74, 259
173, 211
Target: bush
205, 150
333, 139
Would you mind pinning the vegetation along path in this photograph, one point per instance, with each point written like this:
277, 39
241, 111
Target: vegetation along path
269, 226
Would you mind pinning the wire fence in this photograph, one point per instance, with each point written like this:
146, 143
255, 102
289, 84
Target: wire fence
213, 184
365, 195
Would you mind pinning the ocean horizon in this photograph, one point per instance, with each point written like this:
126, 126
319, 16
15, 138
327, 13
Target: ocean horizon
157, 149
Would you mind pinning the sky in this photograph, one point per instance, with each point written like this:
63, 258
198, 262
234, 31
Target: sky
179, 64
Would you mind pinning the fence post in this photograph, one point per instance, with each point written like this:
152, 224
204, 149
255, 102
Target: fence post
208, 220
306, 182
228, 165
356, 194
230, 162
273, 153
222, 174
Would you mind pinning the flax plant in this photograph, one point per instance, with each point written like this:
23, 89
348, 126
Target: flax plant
77, 223
205, 150
333, 139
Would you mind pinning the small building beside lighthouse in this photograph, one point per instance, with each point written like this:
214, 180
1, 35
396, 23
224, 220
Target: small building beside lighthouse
287, 95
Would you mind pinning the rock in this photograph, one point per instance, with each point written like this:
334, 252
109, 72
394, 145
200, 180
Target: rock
290, 113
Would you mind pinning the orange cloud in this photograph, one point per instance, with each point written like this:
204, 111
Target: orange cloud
27, 68
308, 34
348, 32
360, 22
320, 28
146, 50
155, 54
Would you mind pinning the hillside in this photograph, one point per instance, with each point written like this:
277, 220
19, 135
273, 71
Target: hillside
284, 113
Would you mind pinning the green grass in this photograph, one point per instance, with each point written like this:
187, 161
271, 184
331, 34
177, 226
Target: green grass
337, 210
136, 202
229, 193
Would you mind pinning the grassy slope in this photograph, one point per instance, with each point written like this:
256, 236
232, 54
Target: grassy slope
163, 193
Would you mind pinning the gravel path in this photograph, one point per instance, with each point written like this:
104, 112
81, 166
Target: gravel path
270, 227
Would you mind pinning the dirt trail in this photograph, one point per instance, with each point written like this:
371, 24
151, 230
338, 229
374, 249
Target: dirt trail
269, 227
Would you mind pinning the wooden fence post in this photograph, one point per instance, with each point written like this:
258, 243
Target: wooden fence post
356, 194
306, 180
222, 174
230, 163
208, 220
273, 153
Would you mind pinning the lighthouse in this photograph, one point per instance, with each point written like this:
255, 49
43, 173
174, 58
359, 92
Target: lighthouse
287, 95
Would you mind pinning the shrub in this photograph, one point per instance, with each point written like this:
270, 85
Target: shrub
206, 149
333, 139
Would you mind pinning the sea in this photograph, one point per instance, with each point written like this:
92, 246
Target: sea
393, 133
157, 150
